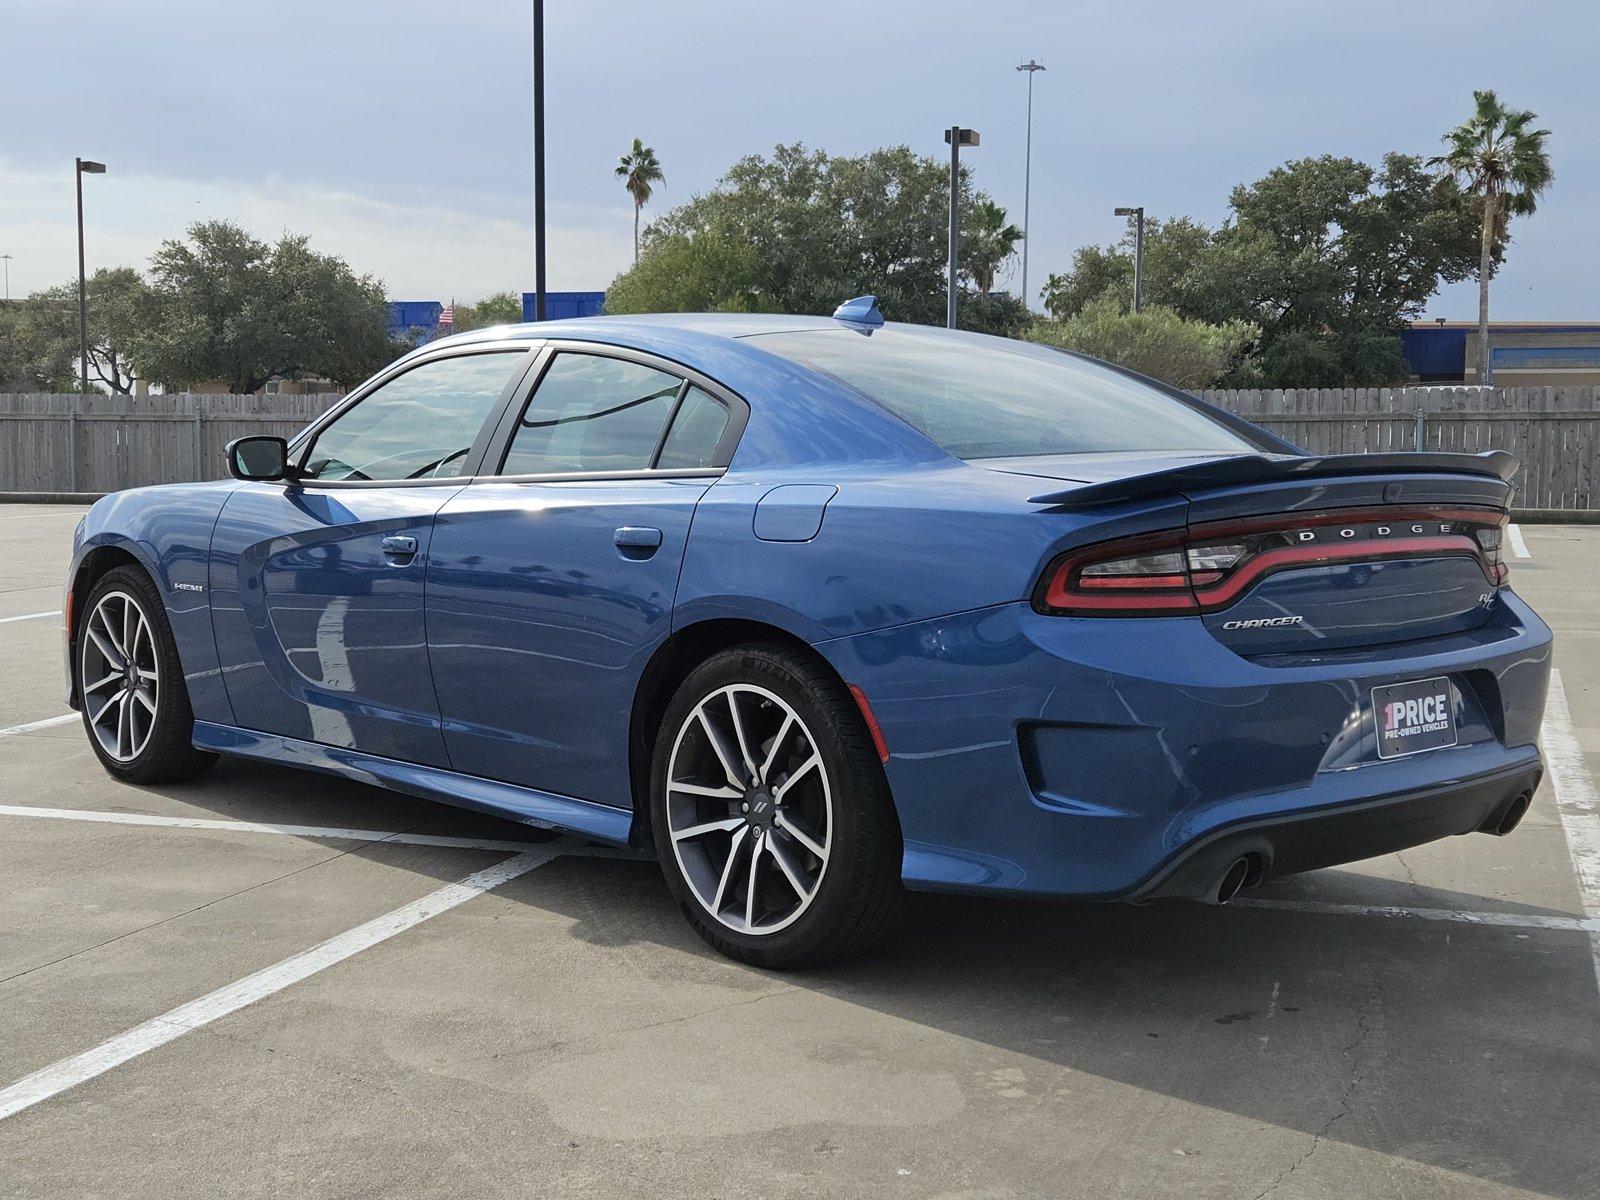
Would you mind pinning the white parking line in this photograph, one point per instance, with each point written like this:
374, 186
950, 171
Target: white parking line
1465, 916
1576, 802
30, 616
44, 724
1518, 546
69, 1072
310, 831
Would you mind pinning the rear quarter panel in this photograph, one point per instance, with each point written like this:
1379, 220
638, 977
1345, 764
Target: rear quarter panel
893, 547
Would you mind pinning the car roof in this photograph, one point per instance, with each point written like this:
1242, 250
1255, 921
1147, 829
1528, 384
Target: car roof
803, 416
666, 329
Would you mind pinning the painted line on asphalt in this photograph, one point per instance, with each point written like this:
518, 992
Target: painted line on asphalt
308, 831
158, 1031
331, 832
1576, 802
1464, 916
1518, 546
30, 616
44, 724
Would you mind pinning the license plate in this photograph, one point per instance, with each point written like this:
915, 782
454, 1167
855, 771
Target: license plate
1416, 716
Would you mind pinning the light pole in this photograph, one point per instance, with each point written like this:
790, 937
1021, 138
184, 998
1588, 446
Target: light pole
82, 167
538, 161
1138, 252
957, 137
6, 258
1027, 176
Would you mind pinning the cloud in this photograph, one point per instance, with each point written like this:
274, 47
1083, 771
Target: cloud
423, 247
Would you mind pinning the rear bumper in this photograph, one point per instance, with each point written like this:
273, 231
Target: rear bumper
1295, 842
1114, 759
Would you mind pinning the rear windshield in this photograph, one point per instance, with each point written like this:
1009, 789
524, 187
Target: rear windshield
992, 398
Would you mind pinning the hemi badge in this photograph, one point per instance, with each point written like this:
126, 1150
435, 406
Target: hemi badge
188, 587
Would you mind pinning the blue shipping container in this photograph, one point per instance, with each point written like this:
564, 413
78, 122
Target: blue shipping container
559, 306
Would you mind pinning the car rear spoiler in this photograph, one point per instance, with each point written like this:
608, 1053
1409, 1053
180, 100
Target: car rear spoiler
1260, 468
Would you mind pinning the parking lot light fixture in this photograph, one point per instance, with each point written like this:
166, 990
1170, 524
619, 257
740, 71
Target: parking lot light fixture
1138, 252
1031, 68
956, 137
83, 166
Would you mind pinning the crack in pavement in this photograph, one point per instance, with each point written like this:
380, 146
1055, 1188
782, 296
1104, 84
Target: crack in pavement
1367, 1023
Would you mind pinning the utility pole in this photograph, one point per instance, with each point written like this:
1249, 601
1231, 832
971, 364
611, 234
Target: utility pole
957, 137
538, 162
1138, 252
81, 167
1027, 177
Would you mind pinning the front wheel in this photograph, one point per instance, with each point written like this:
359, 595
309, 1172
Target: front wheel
130, 684
772, 818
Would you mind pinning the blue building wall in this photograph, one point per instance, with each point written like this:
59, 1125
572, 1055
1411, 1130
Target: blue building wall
562, 305
1436, 353
406, 315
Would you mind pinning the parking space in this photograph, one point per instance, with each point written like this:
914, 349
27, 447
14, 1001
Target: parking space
273, 982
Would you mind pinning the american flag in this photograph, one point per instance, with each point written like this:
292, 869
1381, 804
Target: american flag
448, 316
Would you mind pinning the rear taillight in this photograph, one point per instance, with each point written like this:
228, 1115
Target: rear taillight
1208, 567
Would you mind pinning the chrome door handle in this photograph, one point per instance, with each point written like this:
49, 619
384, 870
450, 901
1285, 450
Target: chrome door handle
399, 546
637, 537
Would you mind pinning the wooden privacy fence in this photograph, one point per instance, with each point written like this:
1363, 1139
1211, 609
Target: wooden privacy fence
70, 443
1553, 431
102, 443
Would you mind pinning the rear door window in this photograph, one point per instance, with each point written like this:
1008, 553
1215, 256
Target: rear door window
590, 414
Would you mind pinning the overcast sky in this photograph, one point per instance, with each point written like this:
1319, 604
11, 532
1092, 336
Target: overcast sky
397, 134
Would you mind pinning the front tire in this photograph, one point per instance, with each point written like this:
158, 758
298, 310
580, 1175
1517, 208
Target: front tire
771, 815
130, 684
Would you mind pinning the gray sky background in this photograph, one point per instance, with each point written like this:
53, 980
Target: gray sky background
397, 134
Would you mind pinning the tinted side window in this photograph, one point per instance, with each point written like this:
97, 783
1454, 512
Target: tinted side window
592, 414
696, 430
419, 425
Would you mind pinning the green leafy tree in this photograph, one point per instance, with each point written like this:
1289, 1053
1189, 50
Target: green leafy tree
639, 171
33, 358
119, 308
1502, 162
1328, 257
1155, 341
1172, 248
231, 307
713, 272
501, 308
800, 232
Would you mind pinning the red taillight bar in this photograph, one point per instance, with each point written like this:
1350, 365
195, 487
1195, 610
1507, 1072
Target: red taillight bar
1176, 588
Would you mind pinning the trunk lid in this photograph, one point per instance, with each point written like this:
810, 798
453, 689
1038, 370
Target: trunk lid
1292, 554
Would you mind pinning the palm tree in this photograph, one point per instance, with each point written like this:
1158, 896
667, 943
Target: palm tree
638, 170
1500, 160
988, 242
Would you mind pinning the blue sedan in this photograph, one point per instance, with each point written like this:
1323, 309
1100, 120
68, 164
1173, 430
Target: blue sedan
826, 610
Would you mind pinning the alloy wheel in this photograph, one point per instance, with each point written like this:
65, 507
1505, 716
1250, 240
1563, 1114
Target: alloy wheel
749, 809
121, 679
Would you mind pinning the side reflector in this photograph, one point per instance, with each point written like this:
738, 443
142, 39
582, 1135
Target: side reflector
872, 723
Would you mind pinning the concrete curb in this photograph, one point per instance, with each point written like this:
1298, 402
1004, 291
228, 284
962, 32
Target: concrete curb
50, 497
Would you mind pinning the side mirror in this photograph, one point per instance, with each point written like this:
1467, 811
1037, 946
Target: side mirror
259, 458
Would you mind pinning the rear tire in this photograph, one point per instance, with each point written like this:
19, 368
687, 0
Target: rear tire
776, 833
130, 684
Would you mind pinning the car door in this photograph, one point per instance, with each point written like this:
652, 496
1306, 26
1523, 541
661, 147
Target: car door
552, 577
317, 583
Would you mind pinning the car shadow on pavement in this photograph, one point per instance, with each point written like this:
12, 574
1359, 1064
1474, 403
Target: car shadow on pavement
1467, 1048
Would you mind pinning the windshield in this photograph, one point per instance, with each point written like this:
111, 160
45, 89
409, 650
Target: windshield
992, 398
